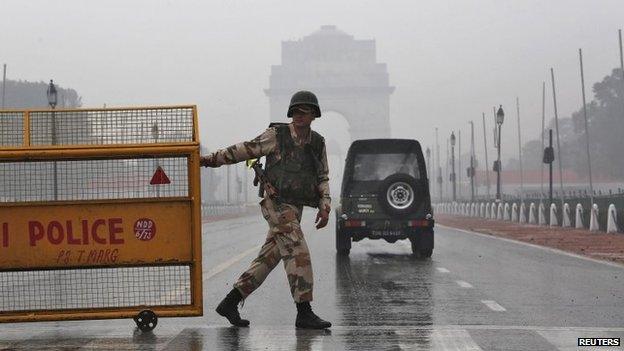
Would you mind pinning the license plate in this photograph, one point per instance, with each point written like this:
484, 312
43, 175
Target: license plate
387, 233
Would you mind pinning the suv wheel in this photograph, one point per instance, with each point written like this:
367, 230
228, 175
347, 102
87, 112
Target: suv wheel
417, 251
397, 194
343, 242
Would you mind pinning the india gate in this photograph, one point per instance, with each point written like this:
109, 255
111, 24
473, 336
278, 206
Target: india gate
345, 75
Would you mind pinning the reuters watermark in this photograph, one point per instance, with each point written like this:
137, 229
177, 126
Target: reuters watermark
599, 342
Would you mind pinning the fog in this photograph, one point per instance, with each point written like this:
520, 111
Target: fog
448, 60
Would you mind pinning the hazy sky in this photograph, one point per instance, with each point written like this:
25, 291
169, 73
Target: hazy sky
449, 60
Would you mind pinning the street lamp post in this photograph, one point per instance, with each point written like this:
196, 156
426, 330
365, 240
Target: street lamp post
428, 153
453, 164
439, 178
52, 100
500, 118
471, 169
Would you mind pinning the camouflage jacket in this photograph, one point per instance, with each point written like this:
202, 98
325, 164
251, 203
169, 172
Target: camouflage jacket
266, 144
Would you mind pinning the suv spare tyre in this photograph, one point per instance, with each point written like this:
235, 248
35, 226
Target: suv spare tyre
398, 194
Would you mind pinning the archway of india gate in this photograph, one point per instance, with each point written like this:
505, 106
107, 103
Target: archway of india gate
344, 74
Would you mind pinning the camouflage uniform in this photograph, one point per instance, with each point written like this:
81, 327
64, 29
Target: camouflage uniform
285, 240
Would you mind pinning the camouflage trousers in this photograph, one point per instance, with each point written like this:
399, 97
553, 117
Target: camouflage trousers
284, 242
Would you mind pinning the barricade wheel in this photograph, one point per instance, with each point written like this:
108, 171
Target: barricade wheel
146, 320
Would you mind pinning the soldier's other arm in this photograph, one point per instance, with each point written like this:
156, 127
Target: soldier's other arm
261, 145
323, 189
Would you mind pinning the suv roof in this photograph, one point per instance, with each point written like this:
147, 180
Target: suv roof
383, 146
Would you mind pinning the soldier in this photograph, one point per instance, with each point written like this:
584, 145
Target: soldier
297, 174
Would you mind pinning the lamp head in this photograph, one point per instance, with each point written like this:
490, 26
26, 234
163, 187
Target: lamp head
52, 94
500, 115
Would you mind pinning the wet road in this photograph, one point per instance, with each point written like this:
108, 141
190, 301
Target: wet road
477, 292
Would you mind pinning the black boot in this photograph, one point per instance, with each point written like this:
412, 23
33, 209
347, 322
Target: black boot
306, 319
228, 308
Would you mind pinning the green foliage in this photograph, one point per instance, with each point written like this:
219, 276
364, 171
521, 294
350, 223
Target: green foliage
605, 115
24, 94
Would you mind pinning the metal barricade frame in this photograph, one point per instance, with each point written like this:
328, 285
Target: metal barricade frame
130, 232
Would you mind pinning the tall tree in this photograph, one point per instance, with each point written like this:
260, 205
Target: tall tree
23, 94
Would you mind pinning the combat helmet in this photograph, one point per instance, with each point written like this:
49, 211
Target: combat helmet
304, 97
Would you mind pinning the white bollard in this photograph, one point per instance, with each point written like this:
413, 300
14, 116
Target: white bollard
593, 219
474, 210
578, 218
494, 210
566, 222
542, 214
522, 218
553, 216
612, 220
506, 212
482, 212
514, 212
499, 212
487, 211
532, 219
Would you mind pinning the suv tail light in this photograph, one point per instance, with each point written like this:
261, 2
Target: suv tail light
355, 223
418, 223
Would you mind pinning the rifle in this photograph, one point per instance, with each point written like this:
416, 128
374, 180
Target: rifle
261, 178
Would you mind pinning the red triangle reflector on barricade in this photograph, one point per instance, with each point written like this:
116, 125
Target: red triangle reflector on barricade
159, 177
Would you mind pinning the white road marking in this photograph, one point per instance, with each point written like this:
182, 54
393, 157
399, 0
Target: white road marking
464, 284
493, 305
441, 339
225, 265
545, 248
442, 270
114, 326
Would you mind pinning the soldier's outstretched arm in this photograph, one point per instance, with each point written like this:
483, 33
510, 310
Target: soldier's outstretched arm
259, 146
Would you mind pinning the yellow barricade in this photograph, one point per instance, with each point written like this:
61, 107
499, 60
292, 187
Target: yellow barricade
100, 214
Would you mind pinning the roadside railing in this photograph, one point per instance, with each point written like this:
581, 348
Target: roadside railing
605, 213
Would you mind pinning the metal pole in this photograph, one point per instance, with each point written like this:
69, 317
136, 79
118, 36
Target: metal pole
54, 143
438, 180
487, 165
621, 57
459, 166
429, 167
453, 176
621, 66
520, 150
591, 184
245, 186
472, 151
227, 186
3, 83
550, 171
543, 131
498, 173
552, 75
446, 172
